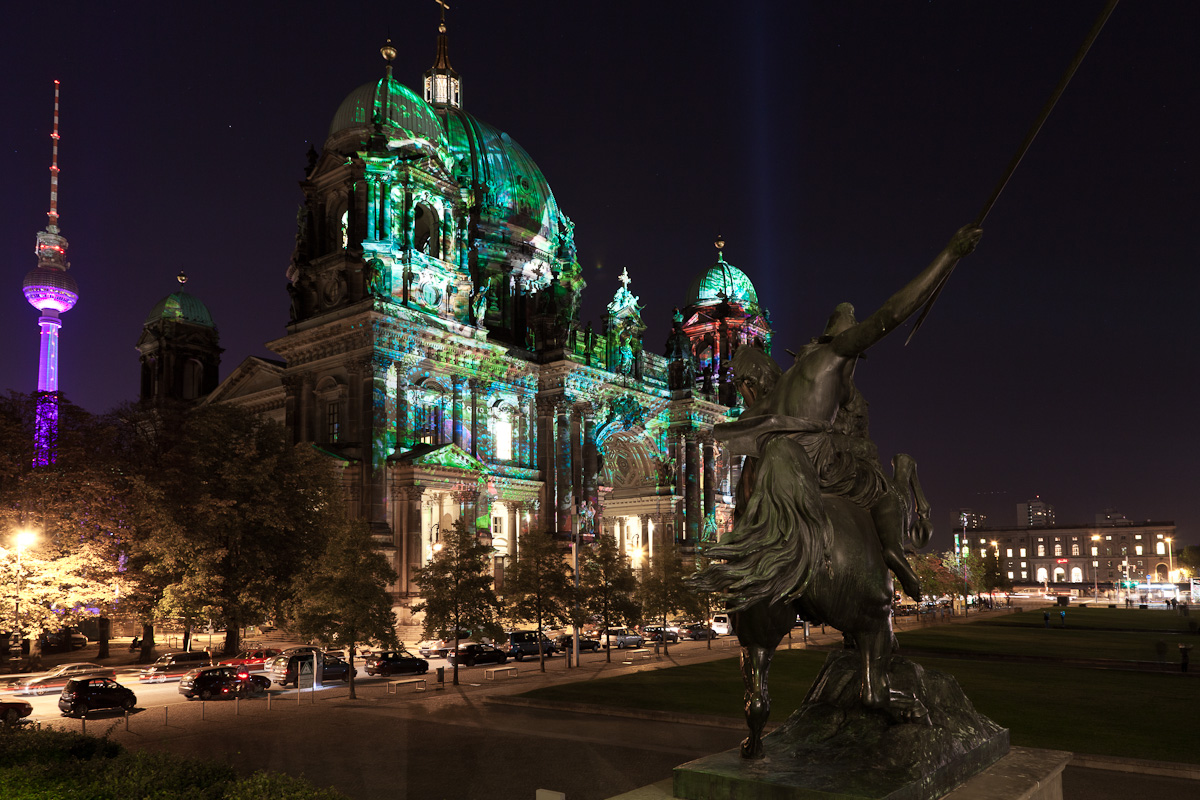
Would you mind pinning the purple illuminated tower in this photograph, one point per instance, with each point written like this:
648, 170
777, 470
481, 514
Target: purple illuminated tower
50, 290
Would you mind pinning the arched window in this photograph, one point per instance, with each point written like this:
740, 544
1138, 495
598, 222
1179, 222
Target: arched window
1041, 575
1057, 549
1075, 548
344, 228
427, 231
1041, 550
1076, 575
1160, 548
1060, 575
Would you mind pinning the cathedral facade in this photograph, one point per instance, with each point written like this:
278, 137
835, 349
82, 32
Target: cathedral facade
434, 348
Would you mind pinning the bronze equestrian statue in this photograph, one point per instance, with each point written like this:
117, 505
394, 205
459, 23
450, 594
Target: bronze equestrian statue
818, 528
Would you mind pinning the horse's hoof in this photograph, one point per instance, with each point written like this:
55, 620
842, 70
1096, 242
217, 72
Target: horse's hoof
752, 748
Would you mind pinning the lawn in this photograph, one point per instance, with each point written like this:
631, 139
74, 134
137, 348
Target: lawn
1105, 712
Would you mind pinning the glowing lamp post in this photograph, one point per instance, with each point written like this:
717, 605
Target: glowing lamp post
1170, 564
1095, 566
23, 540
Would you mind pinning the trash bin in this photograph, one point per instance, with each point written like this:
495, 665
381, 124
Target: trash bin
441, 674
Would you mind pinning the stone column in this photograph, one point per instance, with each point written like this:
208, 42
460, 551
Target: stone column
562, 480
545, 457
710, 477
691, 514
371, 432
456, 412
410, 536
474, 385
577, 470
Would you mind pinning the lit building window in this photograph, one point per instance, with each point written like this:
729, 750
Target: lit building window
1024, 575
1095, 551
1137, 549
1022, 552
1041, 551
1008, 554
1010, 575
1057, 549
502, 433
332, 422
1074, 549
345, 229
1160, 548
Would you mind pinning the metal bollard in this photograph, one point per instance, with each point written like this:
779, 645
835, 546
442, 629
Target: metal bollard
202, 705
268, 701
237, 706
165, 716
126, 721
83, 724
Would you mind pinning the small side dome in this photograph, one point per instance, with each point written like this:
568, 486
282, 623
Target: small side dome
722, 281
180, 307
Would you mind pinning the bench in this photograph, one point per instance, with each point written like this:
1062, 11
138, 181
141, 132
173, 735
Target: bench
490, 672
393, 687
640, 652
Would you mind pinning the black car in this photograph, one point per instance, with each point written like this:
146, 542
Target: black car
395, 662
284, 669
227, 681
82, 695
566, 643
473, 653
698, 630
657, 633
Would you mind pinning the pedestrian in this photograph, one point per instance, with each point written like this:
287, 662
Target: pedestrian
1046, 617
1062, 615
1183, 657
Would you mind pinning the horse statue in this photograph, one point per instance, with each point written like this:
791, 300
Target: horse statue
818, 527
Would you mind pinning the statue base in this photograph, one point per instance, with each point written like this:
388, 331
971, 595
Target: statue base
832, 747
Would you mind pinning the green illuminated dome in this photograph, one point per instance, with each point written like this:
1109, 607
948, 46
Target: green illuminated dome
180, 307
722, 281
506, 183
405, 117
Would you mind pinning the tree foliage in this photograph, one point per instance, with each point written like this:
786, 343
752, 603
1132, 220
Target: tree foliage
538, 587
663, 590
608, 585
456, 587
343, 601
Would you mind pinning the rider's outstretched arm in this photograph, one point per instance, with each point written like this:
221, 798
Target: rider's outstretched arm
903, 304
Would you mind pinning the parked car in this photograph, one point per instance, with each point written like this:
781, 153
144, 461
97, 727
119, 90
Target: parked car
620, 638
721, 625
566, 643
285, 668
657, 633
13, 710
254, 659
82, 695
518, 644
440, 648
471, 653
699, 630
174, 665
57, 678
210, 682
395, 662
66, 639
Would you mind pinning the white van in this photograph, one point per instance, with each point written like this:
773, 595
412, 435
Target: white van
720, 624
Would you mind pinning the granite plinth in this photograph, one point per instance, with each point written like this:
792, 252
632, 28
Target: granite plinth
833, 748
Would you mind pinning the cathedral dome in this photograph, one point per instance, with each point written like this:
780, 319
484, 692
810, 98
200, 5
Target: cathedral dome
722, 281
180, 307
403, 115
509, 187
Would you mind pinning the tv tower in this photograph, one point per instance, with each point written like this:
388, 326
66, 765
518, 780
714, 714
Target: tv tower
50, 290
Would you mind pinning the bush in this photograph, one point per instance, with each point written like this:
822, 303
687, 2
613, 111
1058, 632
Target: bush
45, 764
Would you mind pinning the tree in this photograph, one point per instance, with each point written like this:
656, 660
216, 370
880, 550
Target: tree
700, 603
78, 507
344, 600
663, 590
538, 585
457, 588
247, 511
607, 585
936, 579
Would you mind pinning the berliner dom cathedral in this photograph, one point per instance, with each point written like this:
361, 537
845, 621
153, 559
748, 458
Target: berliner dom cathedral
434, 347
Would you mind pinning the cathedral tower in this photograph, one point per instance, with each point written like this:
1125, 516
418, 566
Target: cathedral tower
50, 290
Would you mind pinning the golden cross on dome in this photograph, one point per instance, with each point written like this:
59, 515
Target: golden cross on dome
625, 277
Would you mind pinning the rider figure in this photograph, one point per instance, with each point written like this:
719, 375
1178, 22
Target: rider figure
816, 403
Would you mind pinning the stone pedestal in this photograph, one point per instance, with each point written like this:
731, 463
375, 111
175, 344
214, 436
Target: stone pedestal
832, 747
1023, 774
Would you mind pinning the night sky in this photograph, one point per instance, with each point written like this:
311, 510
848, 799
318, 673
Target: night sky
836, 146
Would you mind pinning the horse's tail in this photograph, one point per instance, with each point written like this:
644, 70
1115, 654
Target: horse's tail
783, 536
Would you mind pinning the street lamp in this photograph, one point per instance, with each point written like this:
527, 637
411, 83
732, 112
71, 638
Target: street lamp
23, 540
1095, 567
1170, 564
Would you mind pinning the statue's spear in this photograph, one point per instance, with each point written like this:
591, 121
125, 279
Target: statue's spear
1029, 137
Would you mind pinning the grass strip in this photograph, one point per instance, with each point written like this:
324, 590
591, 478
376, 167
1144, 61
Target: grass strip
1103, 712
